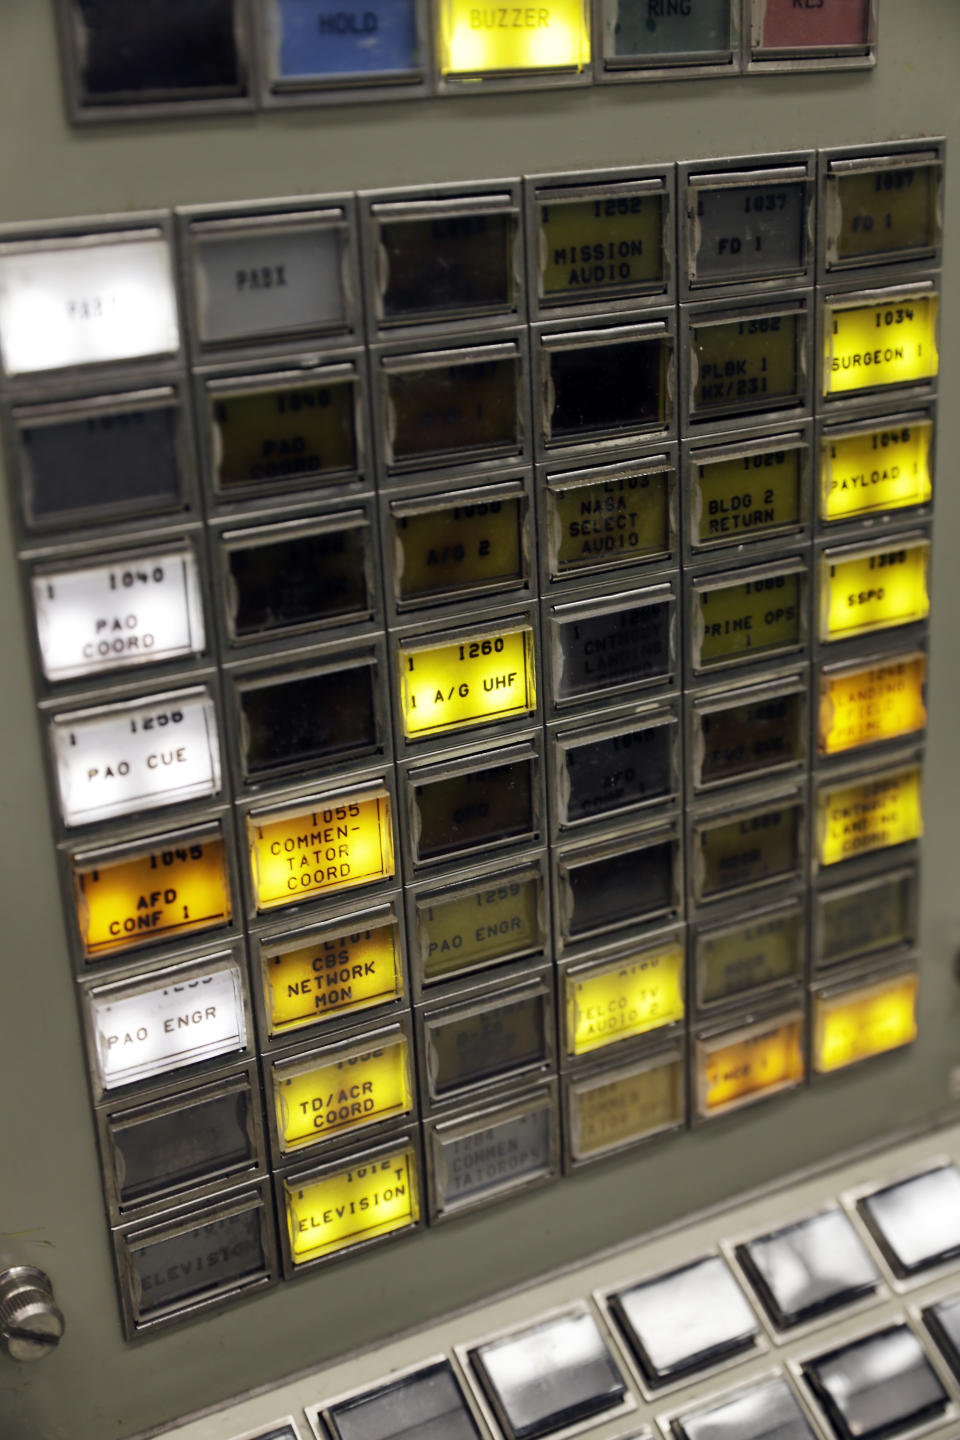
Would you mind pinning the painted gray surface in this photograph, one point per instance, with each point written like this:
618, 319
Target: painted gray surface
51, 1210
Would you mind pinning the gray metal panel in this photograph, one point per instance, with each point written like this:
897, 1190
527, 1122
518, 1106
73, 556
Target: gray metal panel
95, 1386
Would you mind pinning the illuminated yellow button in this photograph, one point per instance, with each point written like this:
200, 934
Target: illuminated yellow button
873, 590
888, 468
472, 682
746, 618
478, 39
876, 813
629, 997
358, 1203
886, 213
334, 975
458, 547
359, 1088
159, 893
877, 702
622, 1107
499, 920
869, 346
750, 1067
861, 1023
298, 854
609, 522
603, 246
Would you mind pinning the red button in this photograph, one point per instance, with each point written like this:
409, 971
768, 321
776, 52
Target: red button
815, 24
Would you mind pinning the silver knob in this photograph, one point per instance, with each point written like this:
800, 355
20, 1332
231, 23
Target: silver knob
31, 1323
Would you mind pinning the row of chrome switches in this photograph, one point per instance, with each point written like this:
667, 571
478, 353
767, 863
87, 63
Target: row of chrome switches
578, 1366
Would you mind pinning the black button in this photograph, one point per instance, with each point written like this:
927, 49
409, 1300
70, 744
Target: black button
169, 1151
943, 1322
427, 1405
877, 1387
456, 264
310, 720
809, 1268
768, 1411
916, 1223
635, 885
606, 389
486, 806
549, 1376
298, 582
158, 49
688, 1320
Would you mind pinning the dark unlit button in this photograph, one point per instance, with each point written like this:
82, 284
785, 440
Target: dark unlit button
101, 465
809, 1268
549, 1376
916, 1223
768, 1411
688, 1320
158, 49
179, 1147
615, 388
879, 1386
425, 1406
176, 1267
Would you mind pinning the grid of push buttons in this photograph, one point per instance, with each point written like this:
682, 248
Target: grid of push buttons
695, 1352
481, 644
122, 61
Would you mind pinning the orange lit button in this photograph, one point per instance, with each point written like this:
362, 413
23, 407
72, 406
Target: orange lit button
872, 703
159, 891
761, 1060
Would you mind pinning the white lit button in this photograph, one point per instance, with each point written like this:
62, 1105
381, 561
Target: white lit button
139, 610
144, 1029
121, 759
83, 301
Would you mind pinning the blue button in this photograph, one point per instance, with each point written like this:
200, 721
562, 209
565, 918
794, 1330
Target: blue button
316, 41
